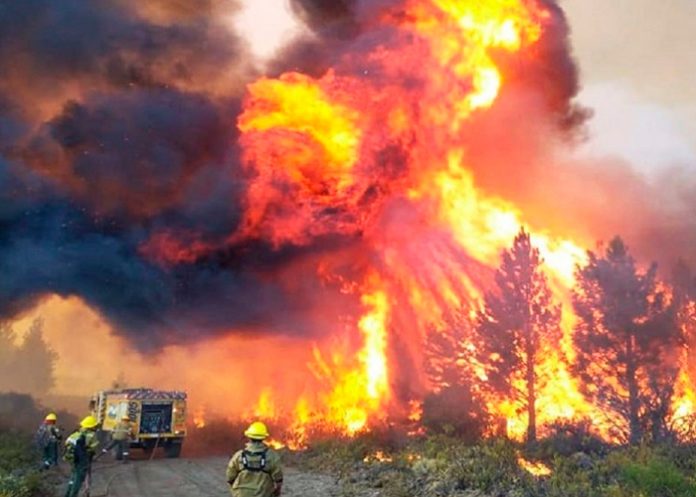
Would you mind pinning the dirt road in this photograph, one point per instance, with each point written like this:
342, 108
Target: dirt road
191, 477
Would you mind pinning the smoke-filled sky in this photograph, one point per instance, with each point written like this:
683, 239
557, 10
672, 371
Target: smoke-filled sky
118, 128
639, 69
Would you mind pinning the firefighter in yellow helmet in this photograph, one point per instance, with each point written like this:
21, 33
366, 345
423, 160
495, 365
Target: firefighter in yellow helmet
121, 436
255, 471
80, 448
48, 437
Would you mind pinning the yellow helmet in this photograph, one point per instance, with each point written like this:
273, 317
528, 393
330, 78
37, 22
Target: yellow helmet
51, 416
89, 422
256, 431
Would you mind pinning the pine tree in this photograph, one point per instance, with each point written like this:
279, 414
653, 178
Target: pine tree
447, 363
8, 352
35, 362
455, 406
626, 340
684, 295
517, 321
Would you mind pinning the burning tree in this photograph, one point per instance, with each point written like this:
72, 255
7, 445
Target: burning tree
516, 324
626, 340
684, 294
455, 405
447, 354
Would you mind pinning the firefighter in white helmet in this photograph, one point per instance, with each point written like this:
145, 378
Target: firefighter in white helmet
255, 471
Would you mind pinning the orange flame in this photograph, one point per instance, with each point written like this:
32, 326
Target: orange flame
378, 456
199, 418
534, 468
316, 151
317, 135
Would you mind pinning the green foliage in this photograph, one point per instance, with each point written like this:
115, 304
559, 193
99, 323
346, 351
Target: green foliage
443, 466
15, 451
657, 478
19, 476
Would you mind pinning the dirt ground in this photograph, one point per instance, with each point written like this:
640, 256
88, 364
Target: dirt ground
204, 477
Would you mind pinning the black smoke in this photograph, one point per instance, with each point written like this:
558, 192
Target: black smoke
113, 128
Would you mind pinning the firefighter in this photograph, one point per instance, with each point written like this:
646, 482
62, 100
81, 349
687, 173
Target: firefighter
120, 438
48, 437
255, 471
80, 448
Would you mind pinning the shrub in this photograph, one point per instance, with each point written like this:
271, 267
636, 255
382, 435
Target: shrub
455, 411
19, 476
657, 478
566, 439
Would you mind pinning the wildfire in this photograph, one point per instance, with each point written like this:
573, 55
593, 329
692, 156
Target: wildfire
534, 468
318, 137
378, 456
275, 444
199, 418
377, 151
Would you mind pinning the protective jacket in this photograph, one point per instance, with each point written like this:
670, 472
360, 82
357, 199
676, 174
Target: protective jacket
80, 447
48, 439
46, 434
255, 471
122, 431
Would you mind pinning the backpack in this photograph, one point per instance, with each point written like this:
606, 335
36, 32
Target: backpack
77, 452
254, 461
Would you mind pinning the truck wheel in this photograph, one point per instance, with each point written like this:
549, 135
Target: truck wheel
173, 449
148, 448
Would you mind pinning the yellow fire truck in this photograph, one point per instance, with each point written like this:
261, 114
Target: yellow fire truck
158, 417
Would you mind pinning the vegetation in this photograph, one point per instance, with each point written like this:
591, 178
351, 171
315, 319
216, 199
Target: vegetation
448, 367
518, 322
442, 466
26, 367
19, 473
627, 342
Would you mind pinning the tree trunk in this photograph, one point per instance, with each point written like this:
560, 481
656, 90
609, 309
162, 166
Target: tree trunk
635, 432
531, 388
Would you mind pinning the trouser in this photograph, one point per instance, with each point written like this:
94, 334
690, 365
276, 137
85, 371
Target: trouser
50, 454
120, 448
77, 478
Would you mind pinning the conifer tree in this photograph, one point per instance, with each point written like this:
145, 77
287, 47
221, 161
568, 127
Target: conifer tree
626, 340
518, 320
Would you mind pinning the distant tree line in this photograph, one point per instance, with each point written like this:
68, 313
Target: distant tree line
629, 339
26, 366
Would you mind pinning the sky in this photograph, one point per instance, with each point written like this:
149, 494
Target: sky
638, 68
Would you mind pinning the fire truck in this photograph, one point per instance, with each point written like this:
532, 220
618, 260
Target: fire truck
158, 417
